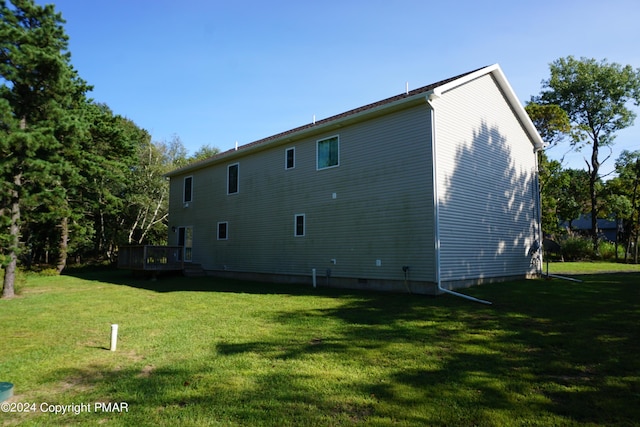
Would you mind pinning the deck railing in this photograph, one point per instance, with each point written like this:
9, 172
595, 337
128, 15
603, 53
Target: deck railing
150, 258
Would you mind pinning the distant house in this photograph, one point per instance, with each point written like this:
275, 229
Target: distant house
607, 228
436, 186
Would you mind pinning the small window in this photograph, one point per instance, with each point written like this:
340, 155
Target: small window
299, 225
290, 158
328, 153
233, 173
223, 230
188, 189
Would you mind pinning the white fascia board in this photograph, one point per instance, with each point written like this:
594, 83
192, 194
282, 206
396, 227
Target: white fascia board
404, 102
305, 130
495, 69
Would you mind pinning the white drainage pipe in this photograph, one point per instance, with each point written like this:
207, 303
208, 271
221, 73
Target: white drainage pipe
458, 294
114, 337
436, 205
313, 275
563, 277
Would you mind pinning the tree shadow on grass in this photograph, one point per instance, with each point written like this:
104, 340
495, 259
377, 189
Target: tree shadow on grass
196, 395
176, 282
551, 351
557, 348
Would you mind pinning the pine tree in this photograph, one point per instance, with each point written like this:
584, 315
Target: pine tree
39, 92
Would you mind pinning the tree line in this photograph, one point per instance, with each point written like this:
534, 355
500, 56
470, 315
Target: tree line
77, 180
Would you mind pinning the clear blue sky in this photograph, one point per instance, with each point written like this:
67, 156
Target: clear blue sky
217, 72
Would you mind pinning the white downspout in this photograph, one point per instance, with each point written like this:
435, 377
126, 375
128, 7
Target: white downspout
436, 205
539, 209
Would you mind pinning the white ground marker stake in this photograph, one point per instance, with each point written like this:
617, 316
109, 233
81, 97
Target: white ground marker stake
114, 336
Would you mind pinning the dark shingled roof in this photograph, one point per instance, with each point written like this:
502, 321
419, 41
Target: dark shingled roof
346, 114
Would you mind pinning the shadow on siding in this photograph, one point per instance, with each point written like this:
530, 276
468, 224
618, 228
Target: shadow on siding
487, 212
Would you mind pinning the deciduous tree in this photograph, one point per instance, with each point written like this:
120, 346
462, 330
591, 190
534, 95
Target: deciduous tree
595, 95
551, 121
628, 184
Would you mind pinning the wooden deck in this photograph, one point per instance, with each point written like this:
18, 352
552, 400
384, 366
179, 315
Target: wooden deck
151, 258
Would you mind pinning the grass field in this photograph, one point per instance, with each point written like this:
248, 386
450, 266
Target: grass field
210, 352
590, 267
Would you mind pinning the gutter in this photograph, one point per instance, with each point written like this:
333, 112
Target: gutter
362, 113
436, 204
329, 124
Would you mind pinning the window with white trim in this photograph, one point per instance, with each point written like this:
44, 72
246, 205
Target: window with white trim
290, 158
223, 230
328, 153
233, 178
299, 225
187, 194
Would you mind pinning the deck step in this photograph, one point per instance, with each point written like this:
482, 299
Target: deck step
193, 270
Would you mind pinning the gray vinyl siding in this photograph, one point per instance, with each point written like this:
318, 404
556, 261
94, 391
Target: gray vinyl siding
486, 184
382, 210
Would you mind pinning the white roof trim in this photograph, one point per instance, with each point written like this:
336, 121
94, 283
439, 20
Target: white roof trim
510, 94
340, 121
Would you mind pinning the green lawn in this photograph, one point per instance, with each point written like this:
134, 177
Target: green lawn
590, 267
212, 352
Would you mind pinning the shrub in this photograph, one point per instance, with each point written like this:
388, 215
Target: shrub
580, 248
608, 250
48, 272
576, 248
